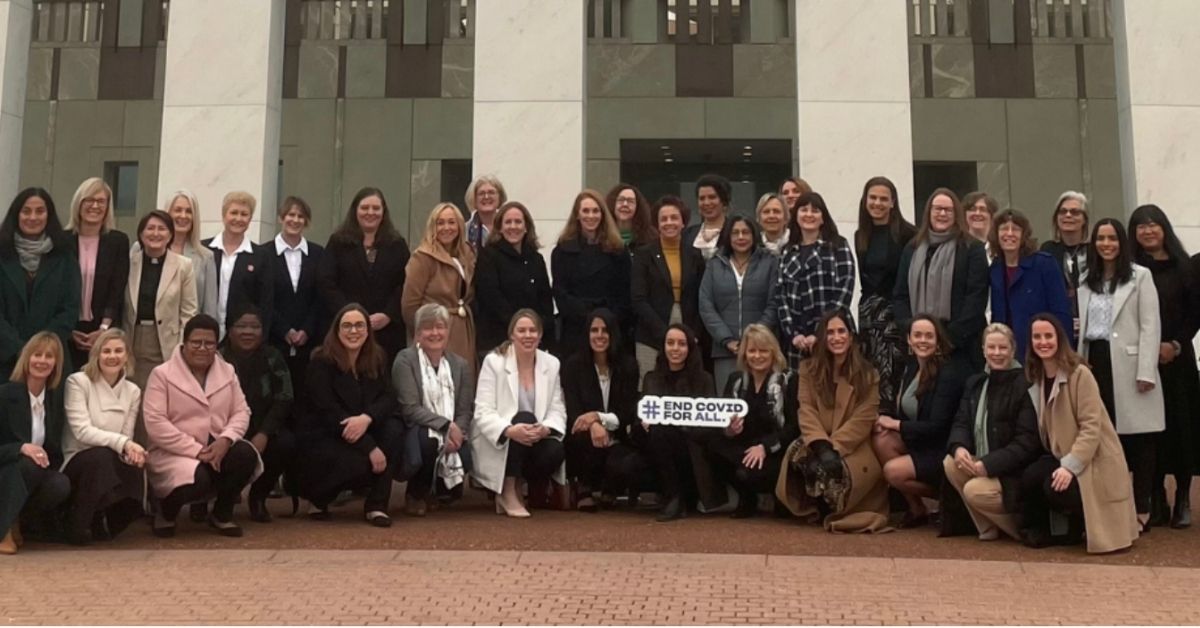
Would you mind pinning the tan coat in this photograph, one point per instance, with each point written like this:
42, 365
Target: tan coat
1075, 428
432, 277
847, 426
175, 303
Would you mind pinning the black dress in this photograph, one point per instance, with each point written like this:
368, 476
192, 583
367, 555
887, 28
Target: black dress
507, 280
608, 469
668, 444
585, 278
925, 434
347, 275
1179, 313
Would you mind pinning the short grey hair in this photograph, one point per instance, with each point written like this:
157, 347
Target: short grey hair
431, 313
1072, 195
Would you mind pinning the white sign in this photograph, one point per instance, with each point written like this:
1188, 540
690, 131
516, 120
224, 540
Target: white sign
690, 411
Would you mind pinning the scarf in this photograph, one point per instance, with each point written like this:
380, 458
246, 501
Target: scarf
437, 395
775, 384
933, 297
776, 247
981, 411
30, 252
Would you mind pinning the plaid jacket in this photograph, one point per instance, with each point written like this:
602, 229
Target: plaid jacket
812, 284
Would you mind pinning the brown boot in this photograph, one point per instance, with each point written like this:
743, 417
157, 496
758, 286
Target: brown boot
8, 545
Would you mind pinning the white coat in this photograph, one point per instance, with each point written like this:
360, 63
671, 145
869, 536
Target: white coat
1134, 343
99, 415
496, 404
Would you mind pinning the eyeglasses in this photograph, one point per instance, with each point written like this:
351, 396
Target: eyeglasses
486, 193
359, 326
201, 345
1146, 227
622, 200
1070, 211
941, 210
99, 201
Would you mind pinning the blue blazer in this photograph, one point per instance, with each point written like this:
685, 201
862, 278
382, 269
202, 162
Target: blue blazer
1038, 287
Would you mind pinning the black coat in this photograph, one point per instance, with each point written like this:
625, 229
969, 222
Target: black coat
585, 278
652, 297
300, 308
1012, 429
507, 280
581, 391
335, 395
16, 429
251, 282
968, 298
936, 408
765, 428
50, 302
345, 277
112, 275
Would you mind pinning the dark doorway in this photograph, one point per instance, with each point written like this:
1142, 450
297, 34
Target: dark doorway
960, 176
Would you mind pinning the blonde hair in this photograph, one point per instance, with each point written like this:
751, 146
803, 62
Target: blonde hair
41, 341
237, 196
193, 236
460, 248
92, 368
1003, 330
758, 335
86, 190
488, 179
524, 312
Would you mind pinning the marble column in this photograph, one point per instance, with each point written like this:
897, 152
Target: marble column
530, 96
221, 104
16, 28
1158, 108
853, 100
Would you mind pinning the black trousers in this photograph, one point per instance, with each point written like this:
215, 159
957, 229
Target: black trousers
613, 470
672, 460
722, 457
535, 463
276, 457
1140, 449
48, 489
342, 466
236, 469
422, 482
102, 485
1040, 498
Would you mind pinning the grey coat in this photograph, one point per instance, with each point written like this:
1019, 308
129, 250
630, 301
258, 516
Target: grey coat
406, 379
727, 310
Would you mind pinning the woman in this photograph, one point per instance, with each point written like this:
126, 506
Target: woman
600, 392
591, 270
879, 242
737, 290
816, 275
1155, 246
910, 443
39, 279
263, 375
160, 296
354, 439
772, 214
791, 190
183, 209
749, 452
101, 459
103, 256
436, 393
31, 487
1083, 475
441, 271
1069, 246
980, 209
830, 474
713, 194
365, 263
242, 269
196, 417
483, 197
665, 288
510, 276
941, 249
993, 439
678, 372
299, 314
1024, 281
1118, 307
631, 211
520, 418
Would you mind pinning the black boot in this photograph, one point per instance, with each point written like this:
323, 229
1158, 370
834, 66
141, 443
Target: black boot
258, 510
747, 505
1181, 517
673, 509
1160, 512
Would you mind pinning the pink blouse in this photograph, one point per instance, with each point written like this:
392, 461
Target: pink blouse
89, 246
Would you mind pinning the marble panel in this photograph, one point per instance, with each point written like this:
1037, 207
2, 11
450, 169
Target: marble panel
458, 71
953, 70
1054, 71
1161, 162
1099, 71
225, 52
1154, 50
611, 119
968, 129
318, 71
831, 155
11, 129
869, 40
37, 154
1102, 157
751, 118
377, 151
1189, 236
41, 70
441, 128
993, 179
16, 28
630, 70
603, 174
1044, 154
79, 74
916, 70
545, 40
143, 123
89, 123
366, 70
425, 192
764, 71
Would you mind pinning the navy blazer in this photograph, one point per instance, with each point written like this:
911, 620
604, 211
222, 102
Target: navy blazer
298, 308
1038, 287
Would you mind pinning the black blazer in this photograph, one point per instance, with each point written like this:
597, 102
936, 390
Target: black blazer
16, 423
652, 296
968, 298
581, 390
345, 277
251, 281
505, 281
112, 274
936, 408
335, 394
300, 308
585, 278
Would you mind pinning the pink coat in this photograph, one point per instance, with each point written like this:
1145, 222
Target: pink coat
180, 417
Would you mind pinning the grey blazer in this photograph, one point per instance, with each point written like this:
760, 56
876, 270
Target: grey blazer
406, 378
727, 310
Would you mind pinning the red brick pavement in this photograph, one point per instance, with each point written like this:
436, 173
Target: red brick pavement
504, 587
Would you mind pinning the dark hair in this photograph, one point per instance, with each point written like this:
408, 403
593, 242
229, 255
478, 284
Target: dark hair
969, 201
245, 309
719, 184
1155, 214
613, 325
643, 231
861, 373
496, 236
10, 228
371, 357
960, 218
1028, 242
694, 375
896, 219
801, 185
673, 201
1065, 356
928, 375
829, 230
725, 240
201, 322
299, 203
349, 232
162, 216
1124, 261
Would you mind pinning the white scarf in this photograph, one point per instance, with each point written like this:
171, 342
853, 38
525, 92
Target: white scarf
437, 395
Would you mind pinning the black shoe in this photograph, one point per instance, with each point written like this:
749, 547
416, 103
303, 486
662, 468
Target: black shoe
674, 509
379, 519
225, 528
747, 506
1160, 512
198, 512
913, 521
1036, 538
319, 513
1182, 516
259, 512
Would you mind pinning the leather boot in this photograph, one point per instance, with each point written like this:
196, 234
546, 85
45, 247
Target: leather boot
1160, 512
1181, 517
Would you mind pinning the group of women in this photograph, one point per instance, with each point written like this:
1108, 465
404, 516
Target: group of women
220, 364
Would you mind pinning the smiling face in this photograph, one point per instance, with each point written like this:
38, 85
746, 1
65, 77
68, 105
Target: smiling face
200, 349
369, 213
525, 335
487, 198
880, 204
41, 364
294, 223
772, 217
237, 218
676, 349
922, 339
598, 336
352, 330
590, 216
1044, 340
1150, 236
432, 336
709, 203
837, 337
1010, 236
998, 351
941, 214
113, 358
33, 217
979, 219
626, 205
246, 334
670, 222
1070, 216
1107, 244
94, 209
512, 226
759, 358
809, 219
741, 238
155, 237
446, 228
181, 215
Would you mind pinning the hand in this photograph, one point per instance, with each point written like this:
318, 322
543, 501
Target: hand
584, 422
521, 433
810, 342
215, 452
378, 461
646, 427
36, 454
736, 425
259, 441
300, 339
732, 346
81, 340
886, 422
798, 342
539, 432
134, 454
600, 438
980, 470
964, 461
754, 457
454, 438
1166, 353
1060, 480
379, 321
1144, 387
354, 427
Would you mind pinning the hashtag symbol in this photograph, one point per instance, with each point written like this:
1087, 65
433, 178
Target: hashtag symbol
650, 410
